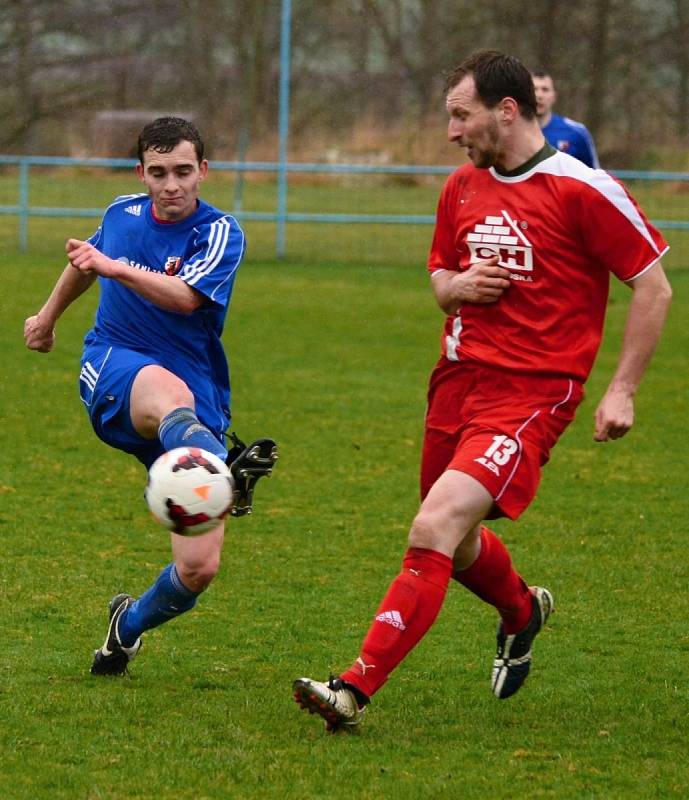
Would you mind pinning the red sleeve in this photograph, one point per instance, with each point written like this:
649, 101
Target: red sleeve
444, 253
615, 230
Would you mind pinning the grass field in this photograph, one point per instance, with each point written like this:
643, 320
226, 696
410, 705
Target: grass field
331, 358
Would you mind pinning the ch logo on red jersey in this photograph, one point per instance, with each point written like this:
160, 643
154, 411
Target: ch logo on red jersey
501, 237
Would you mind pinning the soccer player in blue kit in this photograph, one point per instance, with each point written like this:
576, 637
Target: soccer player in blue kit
562, 133
154, 375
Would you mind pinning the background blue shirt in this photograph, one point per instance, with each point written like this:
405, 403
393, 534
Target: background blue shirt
571, 137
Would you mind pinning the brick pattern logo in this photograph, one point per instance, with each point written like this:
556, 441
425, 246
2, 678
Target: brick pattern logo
502, 237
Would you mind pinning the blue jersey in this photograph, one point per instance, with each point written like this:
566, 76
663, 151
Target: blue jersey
204, 250
571, 137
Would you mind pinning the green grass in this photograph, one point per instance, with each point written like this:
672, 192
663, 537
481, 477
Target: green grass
332, 359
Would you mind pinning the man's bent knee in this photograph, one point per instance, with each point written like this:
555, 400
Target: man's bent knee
433, 531
452, 509
198, 575
198, 557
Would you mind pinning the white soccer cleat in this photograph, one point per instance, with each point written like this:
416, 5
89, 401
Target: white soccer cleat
332, 700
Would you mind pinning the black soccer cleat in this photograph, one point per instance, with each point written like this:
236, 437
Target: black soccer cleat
513, 657
247, 465
113, 657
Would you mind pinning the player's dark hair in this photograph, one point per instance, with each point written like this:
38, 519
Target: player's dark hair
165, 133
496, 76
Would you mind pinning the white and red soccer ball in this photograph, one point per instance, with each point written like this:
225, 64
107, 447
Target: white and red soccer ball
189, 490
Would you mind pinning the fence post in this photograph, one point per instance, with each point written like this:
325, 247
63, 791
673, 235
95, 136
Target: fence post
23, 205
283, 132
239, 181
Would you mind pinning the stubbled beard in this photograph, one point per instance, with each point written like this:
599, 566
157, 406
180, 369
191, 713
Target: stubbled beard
487, 156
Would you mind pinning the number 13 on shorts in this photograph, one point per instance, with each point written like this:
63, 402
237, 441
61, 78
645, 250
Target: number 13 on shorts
499, 453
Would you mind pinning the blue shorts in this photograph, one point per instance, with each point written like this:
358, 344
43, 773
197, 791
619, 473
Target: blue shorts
105, 385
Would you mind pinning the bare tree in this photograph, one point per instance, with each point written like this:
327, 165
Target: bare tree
61, 61
551, 19
680, 51
599, 57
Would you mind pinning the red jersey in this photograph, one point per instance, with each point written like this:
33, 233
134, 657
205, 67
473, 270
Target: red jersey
560, 228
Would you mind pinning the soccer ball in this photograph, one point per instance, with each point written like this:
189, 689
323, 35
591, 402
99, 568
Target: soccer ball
189, 490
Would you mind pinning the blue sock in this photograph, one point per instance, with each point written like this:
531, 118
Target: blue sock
181, 428
167, 598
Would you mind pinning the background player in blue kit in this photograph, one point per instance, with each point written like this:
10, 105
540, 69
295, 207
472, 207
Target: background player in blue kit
562, 133
154, 375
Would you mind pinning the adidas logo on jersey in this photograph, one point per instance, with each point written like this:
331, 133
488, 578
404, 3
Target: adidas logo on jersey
502, 237
133, 210
393, 618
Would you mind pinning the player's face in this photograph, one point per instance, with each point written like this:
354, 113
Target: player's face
545, 95
472, 125
172, 180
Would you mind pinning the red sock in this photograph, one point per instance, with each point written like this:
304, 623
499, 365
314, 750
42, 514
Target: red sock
493, 578
406, 613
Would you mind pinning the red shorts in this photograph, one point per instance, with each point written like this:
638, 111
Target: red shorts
499, 427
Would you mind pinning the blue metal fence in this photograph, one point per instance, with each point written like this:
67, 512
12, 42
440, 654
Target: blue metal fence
24, 210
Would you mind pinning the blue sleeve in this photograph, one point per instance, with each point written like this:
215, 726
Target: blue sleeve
216, 255
95, 238
589, 157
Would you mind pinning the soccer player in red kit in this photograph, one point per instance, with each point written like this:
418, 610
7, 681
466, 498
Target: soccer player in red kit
525, 240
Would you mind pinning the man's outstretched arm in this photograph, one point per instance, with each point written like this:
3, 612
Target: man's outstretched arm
645, 318
39, 330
